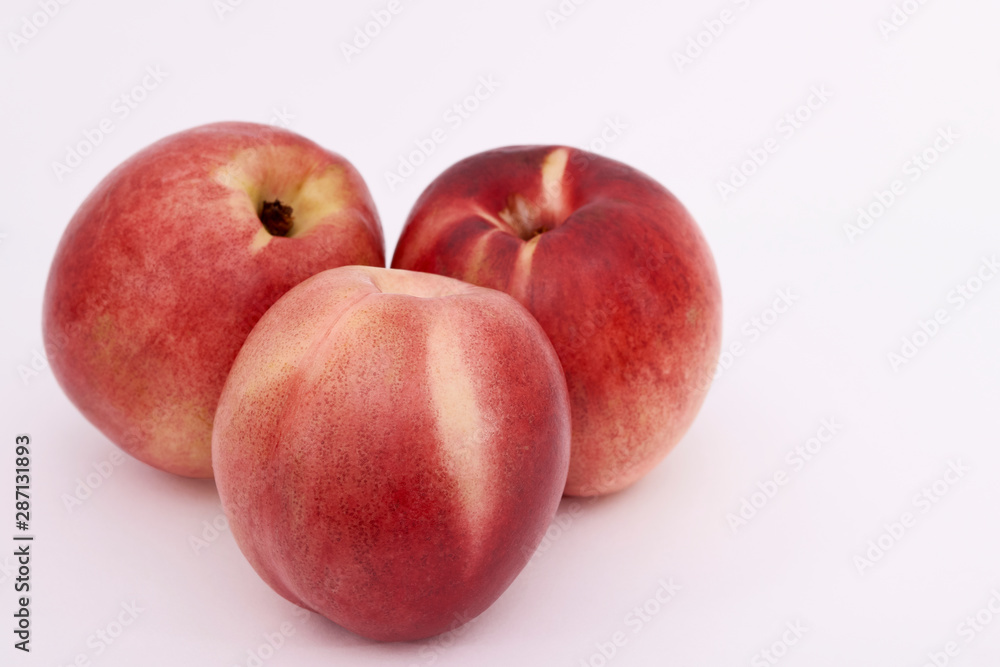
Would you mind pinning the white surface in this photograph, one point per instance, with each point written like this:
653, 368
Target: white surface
826, 357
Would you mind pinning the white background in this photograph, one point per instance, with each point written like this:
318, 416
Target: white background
689, 127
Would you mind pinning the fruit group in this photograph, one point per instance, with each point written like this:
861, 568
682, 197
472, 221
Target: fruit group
390, 448
615, 270
169, 262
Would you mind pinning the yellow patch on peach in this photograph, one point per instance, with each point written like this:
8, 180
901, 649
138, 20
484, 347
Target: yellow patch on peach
462, 430
520, 278
282, 173
553, 171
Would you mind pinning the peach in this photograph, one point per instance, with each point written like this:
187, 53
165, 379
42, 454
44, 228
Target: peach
168, 264
615, 270
390, 448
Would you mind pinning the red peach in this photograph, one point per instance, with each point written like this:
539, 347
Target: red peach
615, 270
391, 447
170, 261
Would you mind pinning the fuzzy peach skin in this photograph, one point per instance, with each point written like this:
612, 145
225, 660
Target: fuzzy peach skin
615, 270
167, 265
390, 448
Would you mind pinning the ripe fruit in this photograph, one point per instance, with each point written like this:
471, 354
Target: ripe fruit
390, 448
615, 270
170, 261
